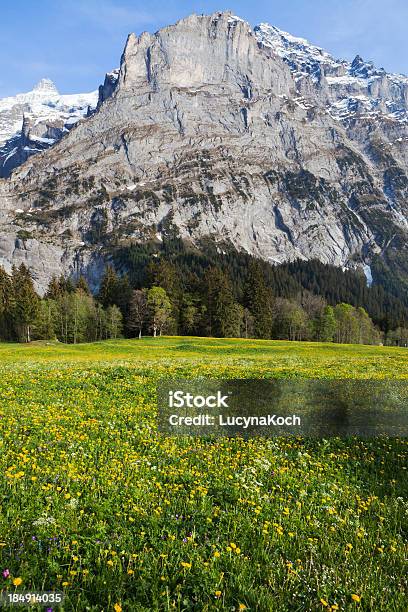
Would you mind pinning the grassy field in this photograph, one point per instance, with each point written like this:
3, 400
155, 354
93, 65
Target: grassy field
96, 503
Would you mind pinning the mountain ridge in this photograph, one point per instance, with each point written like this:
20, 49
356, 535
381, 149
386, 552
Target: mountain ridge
209, 132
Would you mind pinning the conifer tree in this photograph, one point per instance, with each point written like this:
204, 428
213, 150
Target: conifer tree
26, 302
108, 292
6, 305
83, 285
223, 315
55, 289
259, 301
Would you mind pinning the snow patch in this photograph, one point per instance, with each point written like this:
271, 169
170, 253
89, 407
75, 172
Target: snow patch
368, 274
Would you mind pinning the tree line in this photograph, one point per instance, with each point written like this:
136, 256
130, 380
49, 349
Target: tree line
203, 304
68, 312
388, 309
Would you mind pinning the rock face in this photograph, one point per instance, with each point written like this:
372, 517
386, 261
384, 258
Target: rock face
253, 138
32, 122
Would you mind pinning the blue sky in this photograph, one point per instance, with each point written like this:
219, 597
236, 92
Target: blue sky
74, 42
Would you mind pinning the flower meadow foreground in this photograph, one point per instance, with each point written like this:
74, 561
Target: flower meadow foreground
97, 504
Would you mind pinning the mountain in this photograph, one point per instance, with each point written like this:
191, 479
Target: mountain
252, 139
350, 91
33, 121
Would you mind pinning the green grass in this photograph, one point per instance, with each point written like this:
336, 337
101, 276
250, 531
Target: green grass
269, 357
98, 504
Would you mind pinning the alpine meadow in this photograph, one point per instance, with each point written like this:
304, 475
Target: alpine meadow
99, 505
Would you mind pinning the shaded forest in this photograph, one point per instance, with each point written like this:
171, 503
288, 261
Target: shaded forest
171, 288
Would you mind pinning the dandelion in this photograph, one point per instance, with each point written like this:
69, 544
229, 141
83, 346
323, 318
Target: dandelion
117, 607
217, 554
242, 606
324, 602
17, 581
185, 565
356, 598
218, 593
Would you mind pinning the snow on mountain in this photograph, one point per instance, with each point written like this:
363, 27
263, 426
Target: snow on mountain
303, 58
349, 89
33, 121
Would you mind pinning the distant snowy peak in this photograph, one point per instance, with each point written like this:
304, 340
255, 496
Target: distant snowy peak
46, 85
43, 102
33, 121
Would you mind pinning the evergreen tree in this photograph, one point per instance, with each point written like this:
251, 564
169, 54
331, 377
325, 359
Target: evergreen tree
44, 326
224, 318
6, 305
189, 314
108, 292
55, 289
26, 302
124, 294
259, 300
83, 285
66, 285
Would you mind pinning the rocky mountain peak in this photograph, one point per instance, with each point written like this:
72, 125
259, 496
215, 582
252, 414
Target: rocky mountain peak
198, 50
46, 86
363, 69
